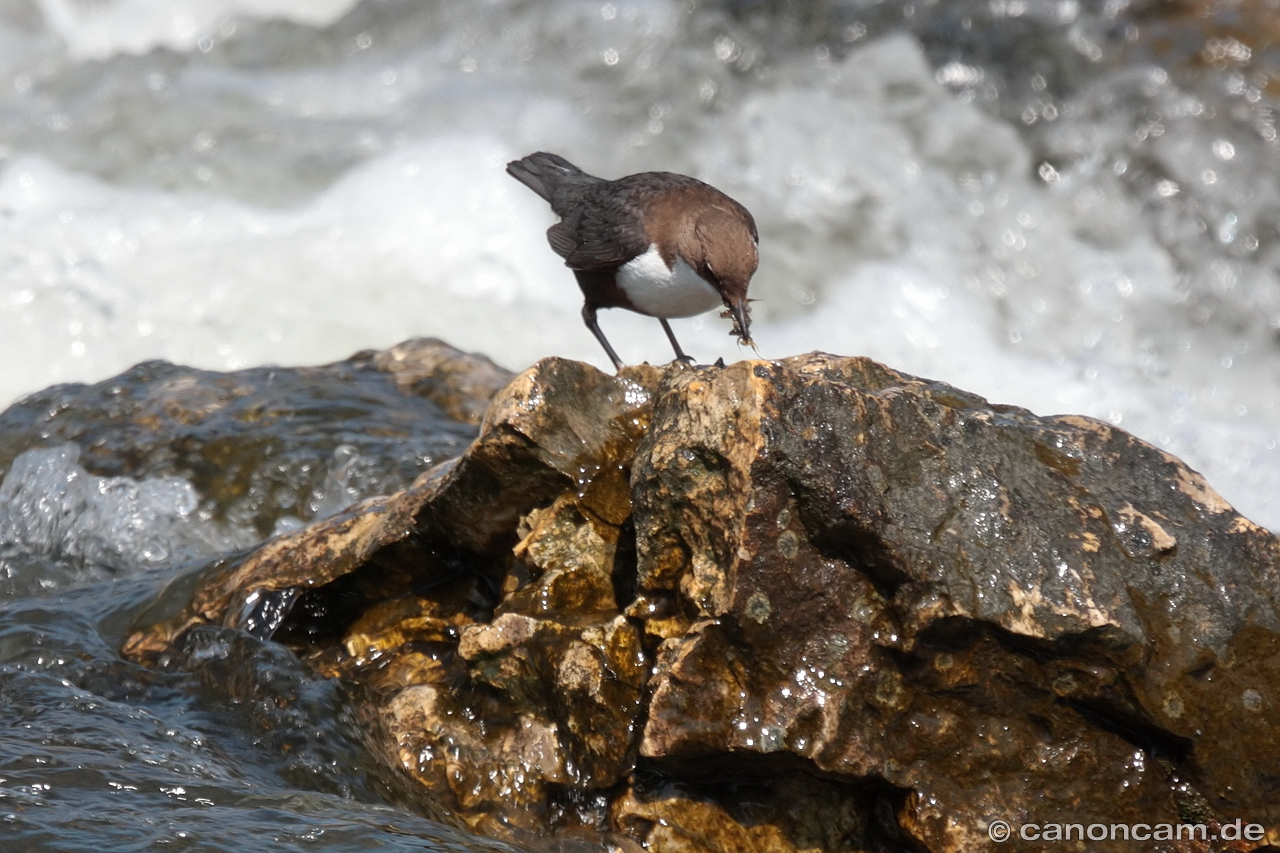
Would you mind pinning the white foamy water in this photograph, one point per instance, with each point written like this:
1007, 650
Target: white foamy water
61, 525
230, 184
102, 30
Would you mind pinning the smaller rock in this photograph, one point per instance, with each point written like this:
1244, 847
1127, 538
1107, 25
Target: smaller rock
461, 383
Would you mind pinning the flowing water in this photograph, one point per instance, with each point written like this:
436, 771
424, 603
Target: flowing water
1069, 205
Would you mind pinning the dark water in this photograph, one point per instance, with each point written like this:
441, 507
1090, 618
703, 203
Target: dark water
245, 751
115, 494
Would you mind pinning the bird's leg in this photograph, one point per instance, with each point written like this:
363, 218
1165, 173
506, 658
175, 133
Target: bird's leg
681, 355
589, 317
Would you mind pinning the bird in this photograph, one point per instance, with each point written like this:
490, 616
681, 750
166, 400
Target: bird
657, 243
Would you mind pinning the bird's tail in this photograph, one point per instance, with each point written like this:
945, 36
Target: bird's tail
552, 177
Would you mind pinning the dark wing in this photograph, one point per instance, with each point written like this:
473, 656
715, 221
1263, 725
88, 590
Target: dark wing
604, 231
561, 239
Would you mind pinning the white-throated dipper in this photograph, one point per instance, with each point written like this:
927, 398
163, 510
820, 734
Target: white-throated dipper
656, 243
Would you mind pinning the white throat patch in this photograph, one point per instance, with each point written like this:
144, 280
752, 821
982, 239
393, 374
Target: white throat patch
660, 292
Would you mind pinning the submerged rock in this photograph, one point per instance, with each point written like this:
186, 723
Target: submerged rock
812, 604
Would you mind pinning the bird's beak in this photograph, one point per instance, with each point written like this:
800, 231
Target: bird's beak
741, 314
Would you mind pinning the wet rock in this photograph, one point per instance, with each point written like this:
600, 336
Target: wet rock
271, 447
550, 688
461, 383
559, 427
257, 591
813, 604
791, 812
965, 601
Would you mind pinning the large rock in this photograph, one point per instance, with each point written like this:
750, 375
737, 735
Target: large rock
812, 604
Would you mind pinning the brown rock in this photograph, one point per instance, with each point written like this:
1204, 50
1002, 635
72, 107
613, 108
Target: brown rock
246, 593
794, 812
558, 425
462, 383
893, 579
813, 604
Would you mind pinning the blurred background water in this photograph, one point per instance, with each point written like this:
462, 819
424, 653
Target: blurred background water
1069, 205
